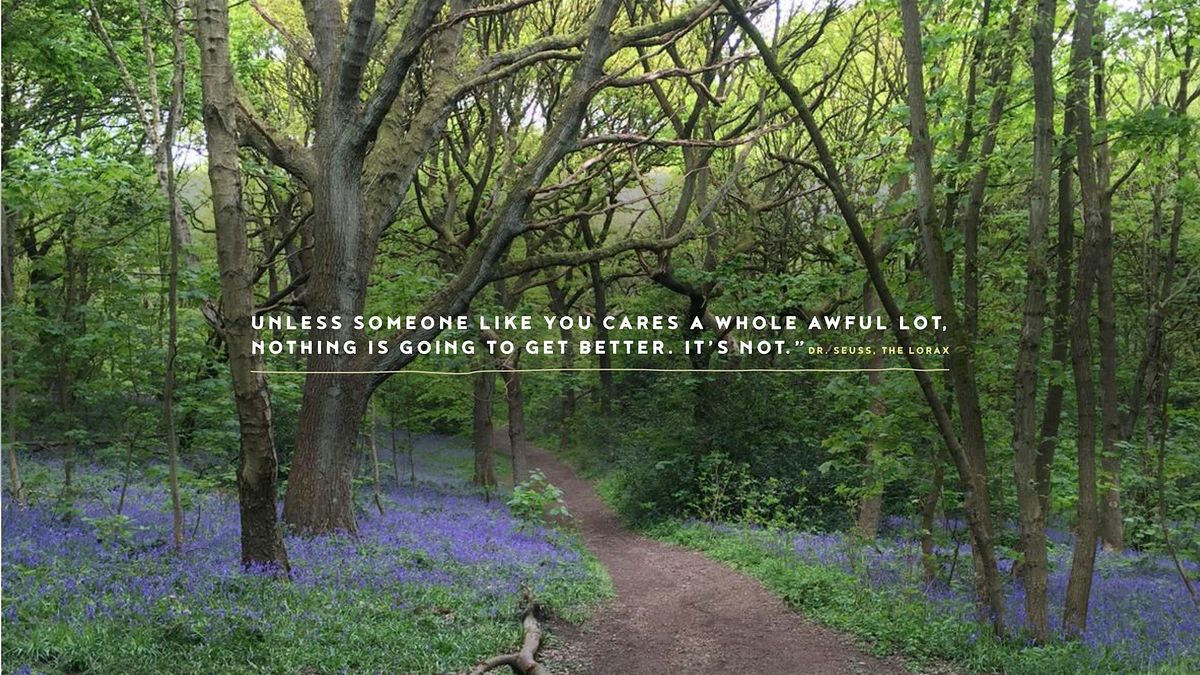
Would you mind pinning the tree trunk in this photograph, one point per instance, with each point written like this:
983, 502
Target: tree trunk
1060, 344
15, 487
870, 507
482, 434
1033, 531
929, 505
600, 298
319, 486
978, 517
178, 227
1083, 558
1112, 522
959, 361
373, 445
392, 432
320, 494
262, 543
558, 305
516, 421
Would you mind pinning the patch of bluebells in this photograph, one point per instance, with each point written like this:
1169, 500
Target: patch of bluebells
432, 548
1140, 612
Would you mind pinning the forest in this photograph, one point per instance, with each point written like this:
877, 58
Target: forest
850, 336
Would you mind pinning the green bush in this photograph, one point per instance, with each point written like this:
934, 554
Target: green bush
537, 500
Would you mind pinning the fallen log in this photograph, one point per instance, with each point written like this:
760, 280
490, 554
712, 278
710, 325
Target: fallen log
523, 660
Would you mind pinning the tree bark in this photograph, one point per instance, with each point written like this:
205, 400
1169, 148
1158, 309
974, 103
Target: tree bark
1060, 344
959, 361
482, 431
870, 507
348, 223
262, 543
1083, 558
516, 420
178, 227
1112, 521
15, 486
1033, 531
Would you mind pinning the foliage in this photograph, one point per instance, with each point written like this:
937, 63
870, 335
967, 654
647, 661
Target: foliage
442, 569
867, 593
536, 500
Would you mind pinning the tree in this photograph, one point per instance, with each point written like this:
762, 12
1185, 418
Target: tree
1083, 557
970, 470
262, 540
1033, 521
370, 152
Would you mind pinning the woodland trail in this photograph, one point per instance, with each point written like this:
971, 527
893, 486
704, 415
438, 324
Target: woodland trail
679, 612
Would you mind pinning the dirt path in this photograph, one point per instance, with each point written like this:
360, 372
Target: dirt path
679, 612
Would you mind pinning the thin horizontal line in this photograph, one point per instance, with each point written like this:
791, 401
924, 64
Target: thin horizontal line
460, 373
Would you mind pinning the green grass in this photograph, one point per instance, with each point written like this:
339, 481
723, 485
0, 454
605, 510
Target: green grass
886, 623
308, 631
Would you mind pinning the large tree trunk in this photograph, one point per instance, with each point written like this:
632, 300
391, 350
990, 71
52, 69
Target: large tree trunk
1033, 532
320, 497
319, 486
1083, 558
262, 543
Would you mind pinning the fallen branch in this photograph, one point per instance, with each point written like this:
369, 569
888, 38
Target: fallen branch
521, 661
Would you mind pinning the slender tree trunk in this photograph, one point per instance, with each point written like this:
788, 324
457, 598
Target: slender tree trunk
178, 228
395, 448
516, 420
558, 305
482, 435
1112, 521
1060, 344
1033, 532
169, 386
373, 445
15, 486
978, 517
1083, 558
600, 298
870, 507
929, 506
262, 542
959, 361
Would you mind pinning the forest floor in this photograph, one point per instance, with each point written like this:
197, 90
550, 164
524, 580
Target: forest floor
677, 611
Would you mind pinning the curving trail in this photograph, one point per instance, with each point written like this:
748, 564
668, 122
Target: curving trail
679, 612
